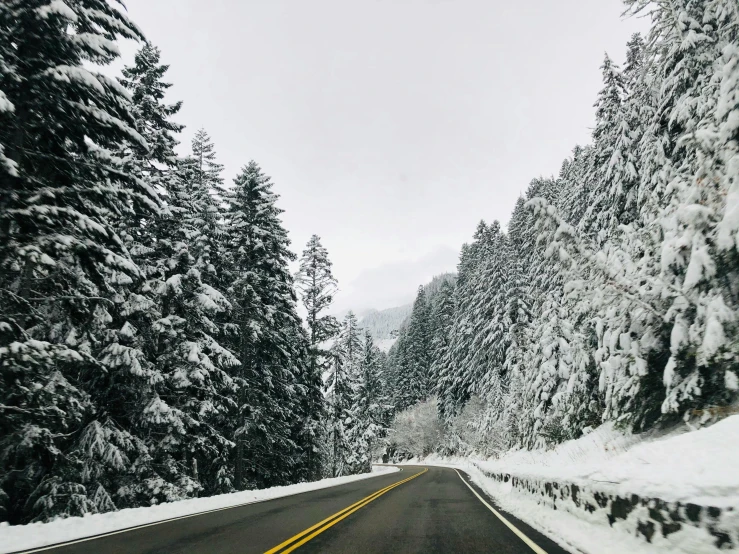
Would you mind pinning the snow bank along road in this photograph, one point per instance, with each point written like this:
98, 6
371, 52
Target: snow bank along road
420, 509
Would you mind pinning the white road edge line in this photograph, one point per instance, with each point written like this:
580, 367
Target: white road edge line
531, 544
143, 525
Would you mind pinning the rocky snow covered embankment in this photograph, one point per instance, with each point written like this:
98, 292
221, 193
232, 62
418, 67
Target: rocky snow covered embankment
35, 535
612, 493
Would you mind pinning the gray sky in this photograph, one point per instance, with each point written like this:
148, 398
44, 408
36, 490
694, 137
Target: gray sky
390, 127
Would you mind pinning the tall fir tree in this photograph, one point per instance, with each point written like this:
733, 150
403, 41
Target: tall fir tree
144, 80
518, 318
134, 379
340, 386
189, 403
484, 366
62, 190
370, 408
414, 383
452, 392
442, 316
271, 343
316, 284
608, 136
202, 177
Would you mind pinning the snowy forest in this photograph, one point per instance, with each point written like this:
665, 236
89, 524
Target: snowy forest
151, 340
613, 294
150, 344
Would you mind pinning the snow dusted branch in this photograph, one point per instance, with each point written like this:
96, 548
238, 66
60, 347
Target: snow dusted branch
577, 248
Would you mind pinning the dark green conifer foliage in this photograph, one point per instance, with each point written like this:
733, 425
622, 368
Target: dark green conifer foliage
317, 286
370, 408
340, 386
62, 188
272, 345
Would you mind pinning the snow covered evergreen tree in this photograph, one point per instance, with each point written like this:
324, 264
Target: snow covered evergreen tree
451, 388
414, 381
317, 286
195, 395
484, 368
273, 377
689, 43
370, 408
518, 318
442, 317
144, 80
340, 385
575, 185
202, 176
398, 358
610, 137
134, 379
62, 190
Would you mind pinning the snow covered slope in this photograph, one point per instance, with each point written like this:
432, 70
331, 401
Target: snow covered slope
384, 324
682, 466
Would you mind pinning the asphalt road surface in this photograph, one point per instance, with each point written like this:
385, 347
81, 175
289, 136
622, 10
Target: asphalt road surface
420, 509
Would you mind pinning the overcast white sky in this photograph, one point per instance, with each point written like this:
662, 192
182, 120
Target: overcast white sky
390, 127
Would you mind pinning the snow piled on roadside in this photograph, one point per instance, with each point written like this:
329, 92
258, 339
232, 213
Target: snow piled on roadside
35, 535
698, 467
581, 534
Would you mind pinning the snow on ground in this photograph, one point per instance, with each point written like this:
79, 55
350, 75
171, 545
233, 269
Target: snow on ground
385, 344
35, 535
698, 467
576, 533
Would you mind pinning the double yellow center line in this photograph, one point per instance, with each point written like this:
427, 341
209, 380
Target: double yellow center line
303, 537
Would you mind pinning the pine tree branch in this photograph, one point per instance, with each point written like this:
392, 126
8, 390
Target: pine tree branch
56, 298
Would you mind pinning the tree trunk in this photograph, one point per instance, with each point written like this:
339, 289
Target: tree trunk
239, 471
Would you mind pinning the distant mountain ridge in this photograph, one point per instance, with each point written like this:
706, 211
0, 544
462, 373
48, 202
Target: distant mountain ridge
384, 325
